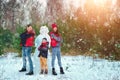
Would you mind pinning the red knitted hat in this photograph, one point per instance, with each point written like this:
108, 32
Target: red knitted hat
54, 25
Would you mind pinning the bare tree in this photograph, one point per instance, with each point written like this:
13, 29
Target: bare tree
35, 14
25, 8
54, 10
0, 12
8, 11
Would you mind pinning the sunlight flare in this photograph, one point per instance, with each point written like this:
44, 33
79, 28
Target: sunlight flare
100, 2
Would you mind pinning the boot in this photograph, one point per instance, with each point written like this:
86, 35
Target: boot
41, 71
46, 71
22, 70
30, 73
53, 71
61, 70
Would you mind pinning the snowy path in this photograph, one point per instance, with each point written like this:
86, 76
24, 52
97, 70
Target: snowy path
76, 68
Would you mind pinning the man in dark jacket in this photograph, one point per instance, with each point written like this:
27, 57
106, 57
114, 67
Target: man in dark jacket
27, 41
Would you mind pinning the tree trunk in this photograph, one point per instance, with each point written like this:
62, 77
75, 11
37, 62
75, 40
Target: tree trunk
54, 10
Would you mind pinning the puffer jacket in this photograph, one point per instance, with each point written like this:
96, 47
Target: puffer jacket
55, 39
27, 39
43, 48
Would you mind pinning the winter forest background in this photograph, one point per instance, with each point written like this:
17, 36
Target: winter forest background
88, 27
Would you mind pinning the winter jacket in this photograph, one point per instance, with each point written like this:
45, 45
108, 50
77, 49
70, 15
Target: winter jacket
27, 39
43, 48
38, 41
55, 39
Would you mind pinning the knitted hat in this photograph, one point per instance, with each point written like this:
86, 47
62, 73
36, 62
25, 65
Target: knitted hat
54, 25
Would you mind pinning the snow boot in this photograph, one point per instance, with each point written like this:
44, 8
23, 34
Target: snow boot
61, 70
22, 70
41, 71
53, 71
46, 71
30, 73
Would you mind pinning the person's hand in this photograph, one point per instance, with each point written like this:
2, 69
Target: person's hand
52, 35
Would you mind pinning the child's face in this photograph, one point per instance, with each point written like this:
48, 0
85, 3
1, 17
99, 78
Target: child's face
44, 40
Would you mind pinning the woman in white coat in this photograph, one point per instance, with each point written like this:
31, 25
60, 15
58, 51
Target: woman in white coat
44, 33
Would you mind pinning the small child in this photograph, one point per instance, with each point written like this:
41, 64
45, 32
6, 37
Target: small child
43, 48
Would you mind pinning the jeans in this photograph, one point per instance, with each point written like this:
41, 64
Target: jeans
56, 52
26, 52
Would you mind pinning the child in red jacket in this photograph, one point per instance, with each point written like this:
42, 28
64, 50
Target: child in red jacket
43, 48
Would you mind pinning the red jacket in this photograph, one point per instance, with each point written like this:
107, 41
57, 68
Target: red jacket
55, 39
27, 39
30, 40
43, 46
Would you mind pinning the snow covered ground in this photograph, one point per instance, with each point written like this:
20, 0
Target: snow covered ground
76, 68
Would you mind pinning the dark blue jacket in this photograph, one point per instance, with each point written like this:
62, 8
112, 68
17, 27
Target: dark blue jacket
24, 36
43, 50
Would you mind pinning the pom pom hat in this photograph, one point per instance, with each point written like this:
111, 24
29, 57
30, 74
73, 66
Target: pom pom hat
54, 25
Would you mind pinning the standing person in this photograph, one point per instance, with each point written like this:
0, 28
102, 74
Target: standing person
27, 41
56, 40
38, 41
43, 48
